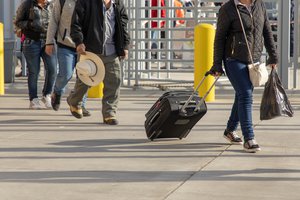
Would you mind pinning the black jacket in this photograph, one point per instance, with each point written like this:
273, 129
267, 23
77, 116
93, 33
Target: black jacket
32, 20
87, 26
230, 40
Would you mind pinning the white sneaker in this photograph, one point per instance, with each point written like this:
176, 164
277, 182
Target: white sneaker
47, 101
35, 104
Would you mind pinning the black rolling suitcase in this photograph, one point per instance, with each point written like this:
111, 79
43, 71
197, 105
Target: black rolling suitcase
175, 113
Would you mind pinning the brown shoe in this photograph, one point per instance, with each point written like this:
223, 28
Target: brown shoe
111, 121
75, 110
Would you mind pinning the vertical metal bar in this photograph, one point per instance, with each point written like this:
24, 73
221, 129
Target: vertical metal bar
131, 50
168, 36
2, 11
159, 39
285, 35
136, 43
296, 47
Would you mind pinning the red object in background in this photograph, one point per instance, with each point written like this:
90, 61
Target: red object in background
154, 13
22, 38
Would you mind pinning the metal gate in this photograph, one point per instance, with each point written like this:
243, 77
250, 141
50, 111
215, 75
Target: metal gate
163, 56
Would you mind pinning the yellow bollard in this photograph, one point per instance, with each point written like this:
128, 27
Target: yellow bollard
96, 91
203, 58
1, 59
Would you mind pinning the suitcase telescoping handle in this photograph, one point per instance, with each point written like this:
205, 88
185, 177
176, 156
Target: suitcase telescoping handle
195, 92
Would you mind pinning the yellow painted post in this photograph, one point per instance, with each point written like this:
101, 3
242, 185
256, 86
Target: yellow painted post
96, 91
1, 59
203, 58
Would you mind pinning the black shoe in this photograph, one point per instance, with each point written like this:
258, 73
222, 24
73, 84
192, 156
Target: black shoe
232, 137
111, 121
85, 112
251, 146
75, 110
55, 101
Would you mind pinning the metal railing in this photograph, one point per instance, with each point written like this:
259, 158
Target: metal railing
171, 61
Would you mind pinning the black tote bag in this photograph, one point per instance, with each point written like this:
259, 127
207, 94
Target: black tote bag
274, 101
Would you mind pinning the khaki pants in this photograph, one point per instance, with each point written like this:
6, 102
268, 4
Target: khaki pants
111, 90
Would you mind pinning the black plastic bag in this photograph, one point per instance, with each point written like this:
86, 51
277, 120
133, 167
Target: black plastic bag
274, 101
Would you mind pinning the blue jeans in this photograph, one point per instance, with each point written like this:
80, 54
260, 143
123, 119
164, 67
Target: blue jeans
154, 37
67, 59
33, 51
241, 111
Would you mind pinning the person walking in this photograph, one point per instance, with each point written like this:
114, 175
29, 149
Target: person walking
100, 27
59, 33
230, 47
179, 13
32, 18
158, 11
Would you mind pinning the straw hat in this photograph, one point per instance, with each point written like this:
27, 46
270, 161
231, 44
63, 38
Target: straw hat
90, 69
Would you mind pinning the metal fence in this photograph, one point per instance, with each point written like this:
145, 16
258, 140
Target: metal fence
163, 56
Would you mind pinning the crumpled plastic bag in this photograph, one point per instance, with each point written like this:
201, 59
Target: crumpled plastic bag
274, 101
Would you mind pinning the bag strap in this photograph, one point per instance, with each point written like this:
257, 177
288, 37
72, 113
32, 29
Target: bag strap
62, 3
244, 32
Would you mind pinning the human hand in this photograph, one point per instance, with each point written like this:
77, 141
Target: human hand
49, 49
125, 56
273, 66
18, 33
215, 71
80, 49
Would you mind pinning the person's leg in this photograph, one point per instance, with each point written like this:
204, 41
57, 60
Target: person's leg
233, 121
112, 83
232, 124
66, 63
74, 99
154, 44
31, 50
84, 99
85, 112
238, 75
154, 37
50, 63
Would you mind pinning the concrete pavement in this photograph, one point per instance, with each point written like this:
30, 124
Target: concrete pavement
48, 155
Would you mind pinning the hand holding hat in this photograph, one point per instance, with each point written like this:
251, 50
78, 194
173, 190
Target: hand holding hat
80, 49
90, 69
